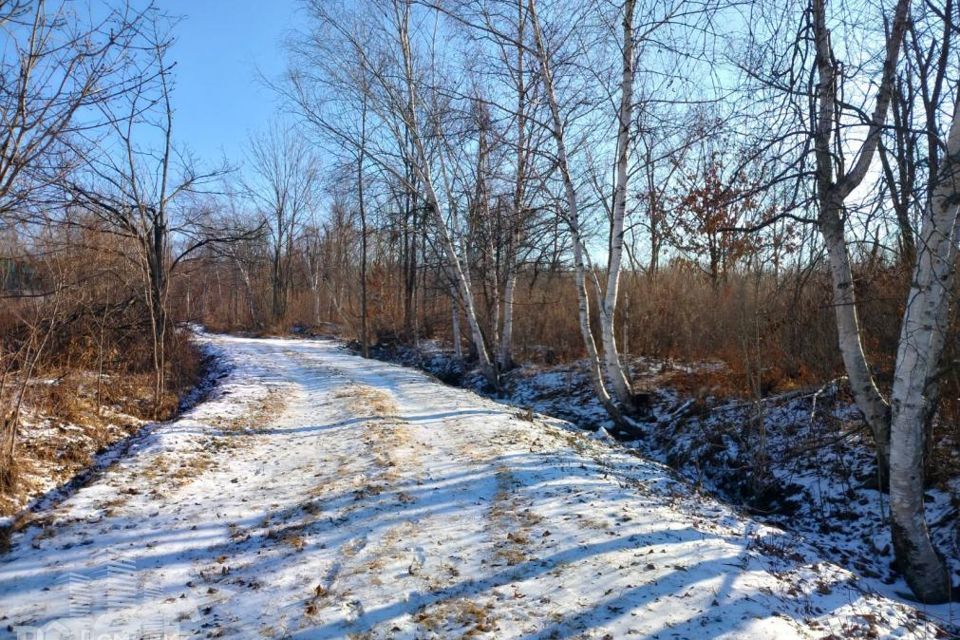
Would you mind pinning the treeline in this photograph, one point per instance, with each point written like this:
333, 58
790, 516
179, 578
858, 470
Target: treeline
769, 184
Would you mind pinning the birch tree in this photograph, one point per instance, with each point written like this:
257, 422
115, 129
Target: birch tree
522, 158
615, 371
897, 424
915, 396
421, 165
922, 337
515, 99
572, 214
656, 17
406, 107
834, 185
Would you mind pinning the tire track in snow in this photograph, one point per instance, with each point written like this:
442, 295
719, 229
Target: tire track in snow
382, 456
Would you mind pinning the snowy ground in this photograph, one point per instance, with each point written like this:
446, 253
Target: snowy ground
801, 460
319, 495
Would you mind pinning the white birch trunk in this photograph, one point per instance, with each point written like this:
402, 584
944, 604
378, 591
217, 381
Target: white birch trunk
615, 372
422, 170
505, 356
832, 192
458, 275
583, 299
506, 337
455, 324
869, 400
898, 428
919, 353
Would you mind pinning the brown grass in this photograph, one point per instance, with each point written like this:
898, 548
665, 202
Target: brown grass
476, 619
81, 412
368, 401
772, 333
509, 522
10, 474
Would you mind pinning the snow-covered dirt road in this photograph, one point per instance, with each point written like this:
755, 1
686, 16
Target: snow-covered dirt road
319, 495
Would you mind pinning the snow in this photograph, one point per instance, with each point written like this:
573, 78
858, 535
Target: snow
55, 456
318, 495
800, 460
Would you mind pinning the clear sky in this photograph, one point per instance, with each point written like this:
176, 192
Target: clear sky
220, 46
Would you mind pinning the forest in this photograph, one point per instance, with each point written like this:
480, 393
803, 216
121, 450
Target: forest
753, 200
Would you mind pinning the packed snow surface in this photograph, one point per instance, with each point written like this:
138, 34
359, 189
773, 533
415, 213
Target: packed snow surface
320, 495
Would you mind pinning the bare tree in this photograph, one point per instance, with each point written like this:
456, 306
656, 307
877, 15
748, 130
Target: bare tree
899, 424
916, 392
922, 337
834, 186
407, 110
557, 128
362, 209
55, 64
130, 187
615, 371
284, 182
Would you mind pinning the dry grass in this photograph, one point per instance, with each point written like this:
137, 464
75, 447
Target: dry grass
509, 521
51, 452
772, 332
473, 618
174, 473
213, 452
72, 412
368, 401
10, 479
386, 435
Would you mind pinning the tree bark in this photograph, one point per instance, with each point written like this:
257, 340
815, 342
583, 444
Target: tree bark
876, 411
573, 220
614, 368
832, 191
505, 356
422, 170
455, 324
364, 333
922, 337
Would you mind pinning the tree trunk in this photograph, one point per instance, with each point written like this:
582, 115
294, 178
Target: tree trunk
583, 296
875, 409
462, 284
447, 245
364, 334
103, 326
156, 287
625, 331
832, 191
455, 324
315, 284
505, 357
409, 242
922, 337
615, 372
276, 282
517, 224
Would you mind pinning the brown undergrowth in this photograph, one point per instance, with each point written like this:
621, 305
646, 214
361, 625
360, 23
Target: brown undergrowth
72, 413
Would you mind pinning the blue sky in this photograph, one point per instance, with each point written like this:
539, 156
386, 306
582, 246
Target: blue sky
220, 45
